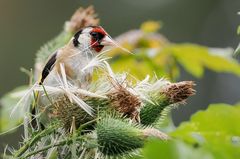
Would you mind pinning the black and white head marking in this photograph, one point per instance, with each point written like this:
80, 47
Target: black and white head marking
75, 38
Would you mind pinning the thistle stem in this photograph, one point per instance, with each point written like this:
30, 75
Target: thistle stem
86, 124
47, 147
31, 142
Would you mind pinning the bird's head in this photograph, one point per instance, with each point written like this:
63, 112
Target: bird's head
92, 37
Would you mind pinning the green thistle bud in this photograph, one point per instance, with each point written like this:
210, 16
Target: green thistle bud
175, 93
116, 137
152, 112
119, 137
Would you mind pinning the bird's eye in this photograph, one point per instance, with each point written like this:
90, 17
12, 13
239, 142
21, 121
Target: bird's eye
96, 35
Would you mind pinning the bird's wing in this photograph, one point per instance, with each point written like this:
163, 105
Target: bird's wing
48, 67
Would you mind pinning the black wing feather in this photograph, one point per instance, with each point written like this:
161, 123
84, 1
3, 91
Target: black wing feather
48, 67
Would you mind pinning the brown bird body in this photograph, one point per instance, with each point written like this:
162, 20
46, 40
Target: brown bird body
85, 45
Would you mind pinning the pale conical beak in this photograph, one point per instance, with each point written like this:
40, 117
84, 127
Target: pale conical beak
107, 41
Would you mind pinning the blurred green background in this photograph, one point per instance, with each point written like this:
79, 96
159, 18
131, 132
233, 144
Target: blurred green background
26, 25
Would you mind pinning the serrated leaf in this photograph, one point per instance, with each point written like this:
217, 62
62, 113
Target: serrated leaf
7, 103
215, 129
195, 58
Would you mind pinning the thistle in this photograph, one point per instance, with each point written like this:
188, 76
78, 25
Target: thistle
113, 116
120, 137
169, 97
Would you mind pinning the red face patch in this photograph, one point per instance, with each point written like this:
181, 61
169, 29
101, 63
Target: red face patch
99, 30
97, 33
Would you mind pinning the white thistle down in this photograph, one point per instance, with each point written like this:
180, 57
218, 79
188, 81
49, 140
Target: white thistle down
142, 89
146, 87
23, 105
70, 90
97, 61
63, 87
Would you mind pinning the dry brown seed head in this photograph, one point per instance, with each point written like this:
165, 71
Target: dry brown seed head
179, 92
125, 102
66, 111
82, 18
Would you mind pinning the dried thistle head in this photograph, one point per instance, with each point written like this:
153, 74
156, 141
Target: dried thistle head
125, 102
65, 111
179, 92
82, 18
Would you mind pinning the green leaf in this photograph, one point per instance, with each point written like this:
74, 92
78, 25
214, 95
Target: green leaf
7, 104
195, 58
138, 65
173, 149
163, 61
161, 64
215, 129
238, 30
151, 26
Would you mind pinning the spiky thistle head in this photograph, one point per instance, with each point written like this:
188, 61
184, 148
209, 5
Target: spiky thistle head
82, 18
65, 111
178, 92
125, 102
170, 94
118, 137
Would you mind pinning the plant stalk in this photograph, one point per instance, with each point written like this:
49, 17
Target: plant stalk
36, 138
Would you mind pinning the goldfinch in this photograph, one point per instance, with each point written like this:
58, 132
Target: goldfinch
67, 67
80, 50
